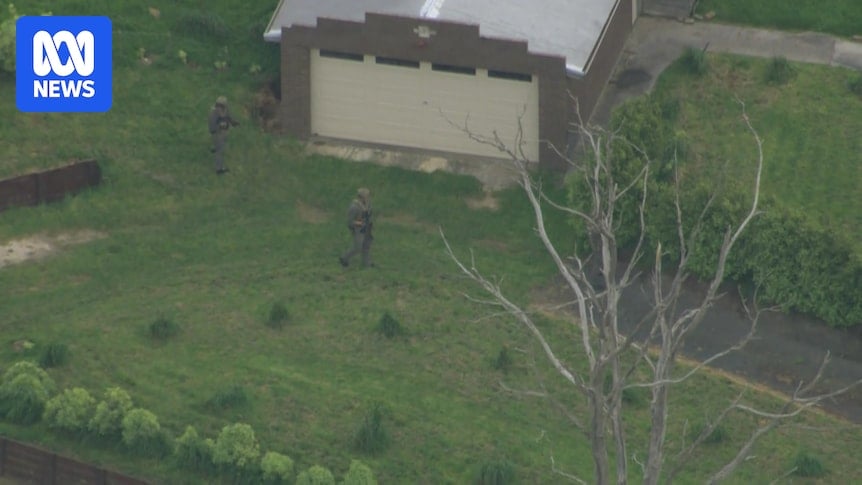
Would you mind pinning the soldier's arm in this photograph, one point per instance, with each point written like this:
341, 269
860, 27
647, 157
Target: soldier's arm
230, 119
352, 215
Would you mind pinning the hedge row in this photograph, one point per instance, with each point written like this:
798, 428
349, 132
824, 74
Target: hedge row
793, 262
26, 397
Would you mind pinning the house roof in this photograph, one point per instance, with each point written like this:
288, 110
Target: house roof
566, 28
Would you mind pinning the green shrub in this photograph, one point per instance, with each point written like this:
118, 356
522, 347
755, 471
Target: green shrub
54, 355
854, 84
389, 326
694, 61
496, 472
192, 452
794, 263
807, 465
276, 468
278, 316
371, 436
24, 390
28, 368
503, 361
779, 71
108, 420
163, 329
359, 474
141, 432
22, 400
316, 475
70, 411
230, 398
236, 448
7, 40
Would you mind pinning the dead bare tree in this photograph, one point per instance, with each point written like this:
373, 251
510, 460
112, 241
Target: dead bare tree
656, 340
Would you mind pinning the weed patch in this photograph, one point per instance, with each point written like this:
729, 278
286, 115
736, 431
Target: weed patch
694, 61
163, 329
496, 472
808, 465
371, 437
779, 71
854, 84
278, 316
389, 327
54, 355
503, 362
231, 398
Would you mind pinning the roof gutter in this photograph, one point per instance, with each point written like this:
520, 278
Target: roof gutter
268, 34
598, 43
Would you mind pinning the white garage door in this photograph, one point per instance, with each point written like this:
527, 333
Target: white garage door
422, 105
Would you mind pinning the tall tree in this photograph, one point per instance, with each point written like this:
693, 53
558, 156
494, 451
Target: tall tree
596, 278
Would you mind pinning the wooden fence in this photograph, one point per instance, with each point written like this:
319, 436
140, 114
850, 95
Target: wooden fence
30, 464
49, 185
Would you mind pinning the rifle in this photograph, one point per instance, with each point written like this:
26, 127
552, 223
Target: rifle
367, 225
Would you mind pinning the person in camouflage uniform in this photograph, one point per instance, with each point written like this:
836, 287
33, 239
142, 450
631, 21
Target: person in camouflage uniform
220, 122
359, 223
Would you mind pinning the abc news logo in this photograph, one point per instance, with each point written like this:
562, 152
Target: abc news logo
71, 64
46, 59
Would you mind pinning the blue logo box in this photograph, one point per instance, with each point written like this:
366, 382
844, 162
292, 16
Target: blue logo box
63, 64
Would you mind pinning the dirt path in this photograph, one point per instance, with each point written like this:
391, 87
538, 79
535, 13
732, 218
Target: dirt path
786, 349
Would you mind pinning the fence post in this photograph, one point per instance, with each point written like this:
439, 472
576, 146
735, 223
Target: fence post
39, 189
2, 456
52, 469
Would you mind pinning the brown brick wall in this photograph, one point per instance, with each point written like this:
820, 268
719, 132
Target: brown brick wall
454, 44
590, 87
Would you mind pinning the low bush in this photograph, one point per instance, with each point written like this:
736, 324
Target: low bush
142, 432
24, 390
276, 468
163, 329
389, 326
371, 436
316, 475
108, 420
236, 448
694, 61
54, 355
231, 398
359, 474
193, 452
779, 71
807, 465
278, 316
70, 411
496, 472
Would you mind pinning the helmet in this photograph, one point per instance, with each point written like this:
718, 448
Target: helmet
363, 193
221, 100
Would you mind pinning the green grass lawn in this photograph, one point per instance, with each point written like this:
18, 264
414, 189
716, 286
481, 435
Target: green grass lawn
839, 17
214, 253
810, 129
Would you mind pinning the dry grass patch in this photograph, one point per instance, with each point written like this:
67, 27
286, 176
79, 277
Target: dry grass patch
40, 246
311, 214
487, 202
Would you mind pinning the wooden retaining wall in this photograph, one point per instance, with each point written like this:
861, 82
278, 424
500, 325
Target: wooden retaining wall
49, 185
30, 464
